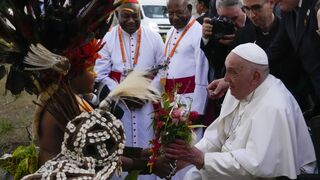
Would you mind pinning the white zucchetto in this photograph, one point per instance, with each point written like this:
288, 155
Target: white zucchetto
251, 52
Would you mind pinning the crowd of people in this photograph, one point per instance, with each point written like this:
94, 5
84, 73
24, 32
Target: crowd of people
249, 68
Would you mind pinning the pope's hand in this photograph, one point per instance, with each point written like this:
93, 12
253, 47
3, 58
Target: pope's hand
180, 150
217, 88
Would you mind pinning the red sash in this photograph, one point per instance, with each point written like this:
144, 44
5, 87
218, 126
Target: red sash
115, 76
187, 85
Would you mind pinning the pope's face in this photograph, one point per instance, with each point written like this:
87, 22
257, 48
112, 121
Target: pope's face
259, 11
129, 17
288, 5
179, 14
238, 76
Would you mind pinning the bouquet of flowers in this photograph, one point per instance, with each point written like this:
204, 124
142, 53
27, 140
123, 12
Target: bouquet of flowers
173, 119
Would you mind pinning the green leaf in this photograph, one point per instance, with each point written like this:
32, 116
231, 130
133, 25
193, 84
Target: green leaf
25, 151
133, 175
21, 170
24, 160
33, 165
9, 164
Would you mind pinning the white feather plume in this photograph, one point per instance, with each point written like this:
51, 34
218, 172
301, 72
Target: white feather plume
135, 86
41, 58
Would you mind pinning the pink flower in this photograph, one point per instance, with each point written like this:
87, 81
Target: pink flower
176, 113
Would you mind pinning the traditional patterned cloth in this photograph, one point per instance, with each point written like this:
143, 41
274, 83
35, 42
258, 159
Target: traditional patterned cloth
90, 150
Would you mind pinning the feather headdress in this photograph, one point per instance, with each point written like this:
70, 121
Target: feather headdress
37, 35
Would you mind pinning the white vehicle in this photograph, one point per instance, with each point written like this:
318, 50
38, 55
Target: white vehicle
154, 14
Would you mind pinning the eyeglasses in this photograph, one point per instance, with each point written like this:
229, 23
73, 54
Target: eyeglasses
254, 8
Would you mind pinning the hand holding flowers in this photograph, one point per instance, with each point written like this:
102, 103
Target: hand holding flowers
173, 119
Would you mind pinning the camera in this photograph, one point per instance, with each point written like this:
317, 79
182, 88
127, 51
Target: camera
222, 25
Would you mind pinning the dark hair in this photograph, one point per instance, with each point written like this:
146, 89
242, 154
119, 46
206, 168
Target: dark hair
205, 2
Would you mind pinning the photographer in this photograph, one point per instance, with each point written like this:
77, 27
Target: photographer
263, 31
217, 41
216, 47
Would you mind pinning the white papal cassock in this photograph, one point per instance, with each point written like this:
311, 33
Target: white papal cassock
263, 136
110, 70
188, 67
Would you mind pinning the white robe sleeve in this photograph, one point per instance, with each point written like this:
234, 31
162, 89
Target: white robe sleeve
272, 147
210, 141
103, 67
267, 145
201, 80
272, 139
217, 164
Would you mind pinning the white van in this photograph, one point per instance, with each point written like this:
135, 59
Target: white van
154, 14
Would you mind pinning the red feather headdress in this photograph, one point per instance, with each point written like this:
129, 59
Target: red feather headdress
40, 38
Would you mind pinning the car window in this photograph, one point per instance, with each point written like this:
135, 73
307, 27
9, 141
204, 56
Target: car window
155, 11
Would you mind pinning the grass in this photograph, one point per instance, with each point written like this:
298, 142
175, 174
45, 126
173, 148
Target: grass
16, 113
5, 126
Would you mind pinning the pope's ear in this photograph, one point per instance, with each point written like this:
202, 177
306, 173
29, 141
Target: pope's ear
256, 77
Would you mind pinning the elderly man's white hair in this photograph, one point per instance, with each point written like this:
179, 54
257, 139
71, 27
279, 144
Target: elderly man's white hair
228, 3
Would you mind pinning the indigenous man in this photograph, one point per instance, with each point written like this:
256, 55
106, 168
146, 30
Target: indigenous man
187, 65
260, 133
130, 46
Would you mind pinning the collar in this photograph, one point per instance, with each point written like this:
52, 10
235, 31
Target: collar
202, 14
127, 34
248, 98
260, 90
273, 29
245, 21
296, 9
